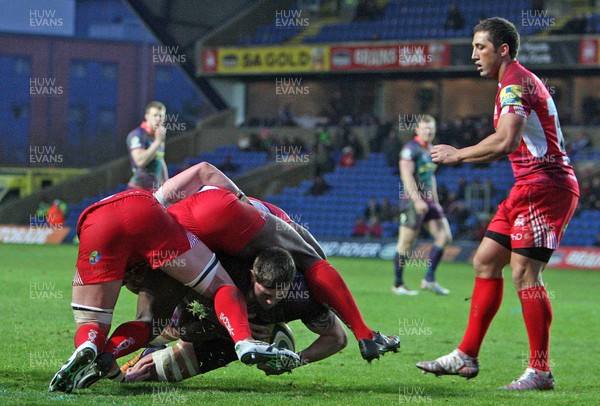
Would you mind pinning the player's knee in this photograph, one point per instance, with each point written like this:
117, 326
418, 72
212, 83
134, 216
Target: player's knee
449, 238
517, 278
443, 240
524, 277
484, 266
403, 248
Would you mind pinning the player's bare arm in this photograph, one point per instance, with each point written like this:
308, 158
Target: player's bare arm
505, 140
191, 180
411, 189
332, 338
143, 156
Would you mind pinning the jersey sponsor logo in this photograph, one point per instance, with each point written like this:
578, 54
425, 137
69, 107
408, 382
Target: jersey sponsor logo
428, 167
95, 257
520, 221
511, 95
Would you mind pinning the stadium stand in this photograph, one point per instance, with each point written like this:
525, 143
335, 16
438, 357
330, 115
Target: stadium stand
93, 110
402, 20
333, 213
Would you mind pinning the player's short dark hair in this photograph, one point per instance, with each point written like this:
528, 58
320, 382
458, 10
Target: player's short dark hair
155, 104
274, 267
501, 31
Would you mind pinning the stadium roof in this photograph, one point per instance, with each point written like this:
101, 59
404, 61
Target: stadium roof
180, 23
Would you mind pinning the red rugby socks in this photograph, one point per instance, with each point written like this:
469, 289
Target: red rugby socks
127, 338
328, 287
232, 312
486, 300
92, 333
537, 313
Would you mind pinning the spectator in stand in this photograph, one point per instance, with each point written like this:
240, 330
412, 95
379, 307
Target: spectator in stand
342, 135
324, 162
391, 149
366, 10
318, 187
324, 137
265, 140
55, 216
371, 123
244, 142
375, 228
383, 131
361, 228
42, 209
228, 165
388, 211
357, 146
455, 19
299, 143
347, 160
372, 210
250, 142
286, 117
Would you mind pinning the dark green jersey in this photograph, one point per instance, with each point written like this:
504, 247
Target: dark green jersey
419, 152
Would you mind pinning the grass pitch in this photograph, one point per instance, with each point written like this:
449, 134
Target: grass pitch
37, 337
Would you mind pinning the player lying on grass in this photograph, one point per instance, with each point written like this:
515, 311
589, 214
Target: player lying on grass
227, 224
274, 292
131, 228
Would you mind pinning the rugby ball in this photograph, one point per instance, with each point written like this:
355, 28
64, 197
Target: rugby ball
282, 336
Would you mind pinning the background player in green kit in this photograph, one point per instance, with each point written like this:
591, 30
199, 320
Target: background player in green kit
419, 206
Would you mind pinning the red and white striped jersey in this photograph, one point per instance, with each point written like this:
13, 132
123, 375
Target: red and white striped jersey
541, 157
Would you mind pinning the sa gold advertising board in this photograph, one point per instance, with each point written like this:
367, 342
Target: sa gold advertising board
287, 59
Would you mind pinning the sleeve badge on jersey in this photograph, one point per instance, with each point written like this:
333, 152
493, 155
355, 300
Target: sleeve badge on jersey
511, 95
406, 154
135, 142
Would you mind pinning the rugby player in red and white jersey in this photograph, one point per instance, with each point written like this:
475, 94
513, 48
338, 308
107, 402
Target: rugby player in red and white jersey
121, 231
226, 224
530, 223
